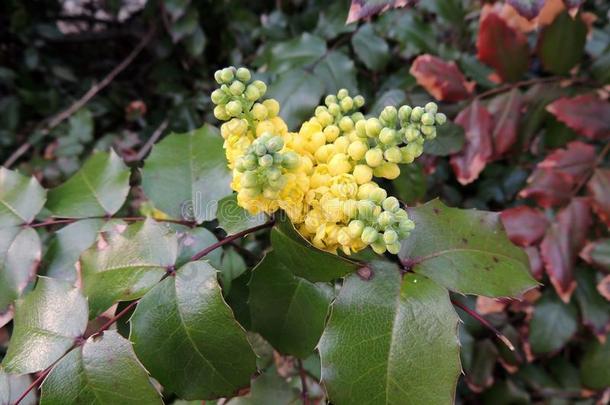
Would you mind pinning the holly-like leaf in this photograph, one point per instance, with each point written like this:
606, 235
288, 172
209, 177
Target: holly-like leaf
410, 185
502, 47
599, 189
269, 388
466, 251
552, 325
233, 218
506, 111
594, 365
561, 44
361, 9
527, 8
298, 92
575, 161
548, 187
337, 71
449, 140
595, 310
370, 48
524, 225
304, 260
562, 243
19, 257
47, 322
585, 114
477, 122
99, 188
597, 254
480, 374
192, 241
443, 80
126, 265
21, 198
186, 336
296, 53
288, 311
12, 386
103, 370
391, 339
186, 175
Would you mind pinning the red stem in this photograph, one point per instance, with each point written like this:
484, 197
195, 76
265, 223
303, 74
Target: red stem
58, 221
485, 323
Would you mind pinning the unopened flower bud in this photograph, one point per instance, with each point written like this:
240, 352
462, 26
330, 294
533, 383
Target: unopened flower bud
373, 127
440, 118
259, 112
342, 93
416, 114
427, 119
355, 228
391, 204
237, 88
233, 108
243, 74
369, 235
363, 174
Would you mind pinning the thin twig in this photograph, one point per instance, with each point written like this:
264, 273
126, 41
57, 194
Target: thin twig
59, 221
485, 323
585, 179
52, 122
151, 141
39, 379
524, 83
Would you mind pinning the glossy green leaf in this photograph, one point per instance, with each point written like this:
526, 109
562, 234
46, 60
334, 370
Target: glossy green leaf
337, 71
394, 97
12, 386
410, 185
449, 140
47, 322
561, 44
231, 267
466, 251
269, 388
186, 336
370, 48
304, 260
594, 309
594, 366
186, 174
21, 198
104, 370
553, 324
288, 311
233, 218
391, 340
194, 240
296, 53
298, 92
99, 188
19, 257
126, 265
186, 25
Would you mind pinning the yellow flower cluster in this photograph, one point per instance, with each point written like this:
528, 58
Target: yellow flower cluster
322, 176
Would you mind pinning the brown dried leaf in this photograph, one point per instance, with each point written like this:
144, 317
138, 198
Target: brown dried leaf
442, 79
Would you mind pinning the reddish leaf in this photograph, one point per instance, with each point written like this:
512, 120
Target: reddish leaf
360, 9
477, 123
443, 80
604, 287
599, 188
575, 162
502, 47
536, 264
597, 254
586, 114
506, 110
524, 225
548, 187
527, 8
561, 244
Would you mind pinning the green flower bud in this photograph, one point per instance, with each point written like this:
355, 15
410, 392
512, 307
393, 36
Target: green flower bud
261, 86
259, 112
440, 118
385, 219
291, 160
341, 94
427, 119
265, 161
218, 76
239, 165
233, 108
243, 74
330, 99
220, 113
358, 101
411, 133
259, 148
278, 184
350, 208
356, 150
431, 108
373, 127
391, 204
429, 131
237, 88
218, 97
250, 161
346, 124
393, 155
273, 173
379, 247
416, 114
374, 157
365, 209
406, 225
388, 115
347, 104
272, 106
357, 116
275, 144
278, 158
226, 75
334, 109
355, 228
378, 195
390, 237
249, 179
369, 235
415, 148
404, 113
361, 128
387, 136
393, 248
252, 93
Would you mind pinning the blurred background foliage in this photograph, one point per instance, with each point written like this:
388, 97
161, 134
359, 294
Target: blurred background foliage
158, 58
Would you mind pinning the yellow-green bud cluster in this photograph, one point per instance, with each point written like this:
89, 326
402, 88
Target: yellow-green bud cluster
264, 165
